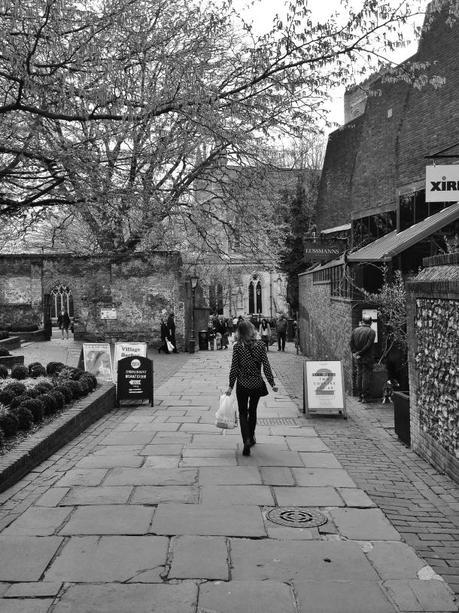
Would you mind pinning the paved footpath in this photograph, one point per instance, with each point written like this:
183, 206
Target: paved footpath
155, 510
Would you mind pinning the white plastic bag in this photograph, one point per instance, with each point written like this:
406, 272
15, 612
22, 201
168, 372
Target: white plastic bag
226, 416
170, 346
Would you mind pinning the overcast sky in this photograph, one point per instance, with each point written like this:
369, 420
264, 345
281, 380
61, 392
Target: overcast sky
261, 12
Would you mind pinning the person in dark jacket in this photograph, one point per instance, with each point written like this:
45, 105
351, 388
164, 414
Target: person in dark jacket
249, 355
63, 321
164, 335
171, 331
362, 347
281, 328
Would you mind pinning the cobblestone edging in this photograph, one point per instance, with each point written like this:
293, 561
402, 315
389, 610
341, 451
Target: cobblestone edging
41, 445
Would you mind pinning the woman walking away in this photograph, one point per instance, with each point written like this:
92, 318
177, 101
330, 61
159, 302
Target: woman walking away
265, 333
248, 356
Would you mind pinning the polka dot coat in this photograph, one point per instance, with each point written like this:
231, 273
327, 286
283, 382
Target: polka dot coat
246, 365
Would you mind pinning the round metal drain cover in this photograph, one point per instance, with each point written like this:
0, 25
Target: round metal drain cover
297, 517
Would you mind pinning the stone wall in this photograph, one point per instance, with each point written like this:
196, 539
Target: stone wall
140, 288
325, 324
433, 330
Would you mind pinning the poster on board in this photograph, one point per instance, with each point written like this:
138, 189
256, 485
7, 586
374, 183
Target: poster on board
97, 360
323, 387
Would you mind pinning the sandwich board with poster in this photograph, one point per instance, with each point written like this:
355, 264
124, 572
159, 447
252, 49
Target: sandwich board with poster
323, 388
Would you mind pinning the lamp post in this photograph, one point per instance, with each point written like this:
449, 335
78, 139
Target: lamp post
194, 282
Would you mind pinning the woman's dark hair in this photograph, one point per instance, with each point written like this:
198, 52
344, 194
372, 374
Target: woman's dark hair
264, 323
246, 333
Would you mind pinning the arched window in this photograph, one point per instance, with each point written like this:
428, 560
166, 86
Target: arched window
61, 299
258, 298
251, 297
216, 298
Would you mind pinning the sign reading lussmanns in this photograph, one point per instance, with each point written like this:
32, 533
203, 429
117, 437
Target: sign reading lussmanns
442, 183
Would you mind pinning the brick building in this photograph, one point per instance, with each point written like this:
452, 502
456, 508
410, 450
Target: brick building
374, 179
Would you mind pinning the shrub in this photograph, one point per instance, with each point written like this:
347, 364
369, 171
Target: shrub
36, 407
88, 382
4, 334
58, 397
76, 388
17, 400
8, 423
6, 396
37, 370
4, 351
3, 372
24, 417
19, 372
50, 404
24, 328
43, 387
16, 387
54, 368
65, 391
88, 375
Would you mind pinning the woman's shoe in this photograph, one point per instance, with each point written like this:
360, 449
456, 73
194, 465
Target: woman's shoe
253, 441
246, 450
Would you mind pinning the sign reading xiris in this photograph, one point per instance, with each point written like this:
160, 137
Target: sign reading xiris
442, 183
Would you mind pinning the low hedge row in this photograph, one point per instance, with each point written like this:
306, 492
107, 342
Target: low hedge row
33, 392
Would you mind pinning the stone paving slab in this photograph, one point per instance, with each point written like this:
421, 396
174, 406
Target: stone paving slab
24, 558
199, 557
238, 475
207, 520
110, 461
116, 494
151, 494
91, 559
82, 476
161, 461
152, 476
395, 561
276, 475
342, 597
364, 524
38, 521
246, 596
30, 605
109, 519
121, 598
299, 560
236, 494
306, 444
271, 455
308, 497
334, 477
33, 589
417, 596
319, 460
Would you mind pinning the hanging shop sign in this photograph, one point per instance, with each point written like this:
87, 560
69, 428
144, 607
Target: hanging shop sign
442, 183
323, 388
319, 250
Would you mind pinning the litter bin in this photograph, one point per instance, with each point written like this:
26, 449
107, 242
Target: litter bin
203, 340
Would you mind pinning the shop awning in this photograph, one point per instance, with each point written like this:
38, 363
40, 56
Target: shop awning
385, 248
343, 228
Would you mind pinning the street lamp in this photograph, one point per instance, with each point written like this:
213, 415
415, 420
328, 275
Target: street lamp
194, 282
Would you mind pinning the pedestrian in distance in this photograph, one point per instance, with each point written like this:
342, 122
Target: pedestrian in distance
281, 329
264, 330
63, 321
171, 331
362, 347
164, 335
249, 355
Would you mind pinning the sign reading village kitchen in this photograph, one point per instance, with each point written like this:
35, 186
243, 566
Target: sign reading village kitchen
135, 379
442, 183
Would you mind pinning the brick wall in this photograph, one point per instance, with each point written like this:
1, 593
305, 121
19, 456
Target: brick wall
433, 326
138, 287
334, 201
373, 158
325, 325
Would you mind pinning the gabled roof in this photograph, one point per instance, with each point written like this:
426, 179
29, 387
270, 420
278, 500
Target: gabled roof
385, 248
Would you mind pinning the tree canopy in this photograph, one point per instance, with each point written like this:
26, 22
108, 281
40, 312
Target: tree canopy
122, 115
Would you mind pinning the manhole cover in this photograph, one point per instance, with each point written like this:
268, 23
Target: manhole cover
277, 421
297, 517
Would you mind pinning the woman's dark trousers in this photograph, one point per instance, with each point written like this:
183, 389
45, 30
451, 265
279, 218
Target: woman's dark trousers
247, 404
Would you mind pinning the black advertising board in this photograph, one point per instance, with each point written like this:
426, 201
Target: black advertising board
135, 379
